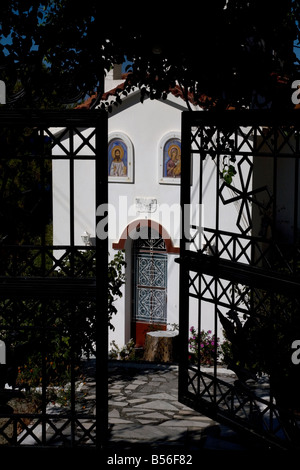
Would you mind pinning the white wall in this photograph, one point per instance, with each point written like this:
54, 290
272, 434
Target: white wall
146, 124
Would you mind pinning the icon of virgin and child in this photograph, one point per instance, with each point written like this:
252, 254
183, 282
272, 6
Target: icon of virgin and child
172, 159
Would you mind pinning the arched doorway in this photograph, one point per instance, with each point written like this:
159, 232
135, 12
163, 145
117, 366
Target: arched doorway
150, 268
141, 238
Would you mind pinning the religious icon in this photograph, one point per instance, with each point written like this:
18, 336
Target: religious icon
117, 158
172, 159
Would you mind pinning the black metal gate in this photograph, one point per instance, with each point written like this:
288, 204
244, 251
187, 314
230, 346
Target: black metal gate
49, 295
240, 270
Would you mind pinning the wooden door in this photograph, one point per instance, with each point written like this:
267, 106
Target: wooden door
150, 288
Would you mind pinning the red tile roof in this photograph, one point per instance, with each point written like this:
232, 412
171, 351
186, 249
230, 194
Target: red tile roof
175, 91
204, 101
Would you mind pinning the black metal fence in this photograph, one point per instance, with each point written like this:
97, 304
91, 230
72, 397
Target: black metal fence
240, 270
53, 298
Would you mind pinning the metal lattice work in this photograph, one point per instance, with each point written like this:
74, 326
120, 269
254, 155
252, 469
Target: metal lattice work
240, 267
49, 294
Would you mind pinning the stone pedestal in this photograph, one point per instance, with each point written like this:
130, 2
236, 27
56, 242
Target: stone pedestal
161, 346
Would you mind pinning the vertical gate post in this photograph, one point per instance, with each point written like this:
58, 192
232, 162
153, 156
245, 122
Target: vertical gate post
183, 276
101, 186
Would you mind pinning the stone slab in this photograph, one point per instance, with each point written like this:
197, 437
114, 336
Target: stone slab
157, 405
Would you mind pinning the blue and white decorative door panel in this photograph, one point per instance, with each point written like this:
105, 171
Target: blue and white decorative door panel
151, 287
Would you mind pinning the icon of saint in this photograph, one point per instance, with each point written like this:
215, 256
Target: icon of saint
117, 167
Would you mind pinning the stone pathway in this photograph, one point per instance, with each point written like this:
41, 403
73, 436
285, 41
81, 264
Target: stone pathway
144, 410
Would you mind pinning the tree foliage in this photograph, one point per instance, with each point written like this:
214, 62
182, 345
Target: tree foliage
222, 52
55, 332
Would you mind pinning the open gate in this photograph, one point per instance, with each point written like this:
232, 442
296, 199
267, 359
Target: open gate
50, 294
240, 270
